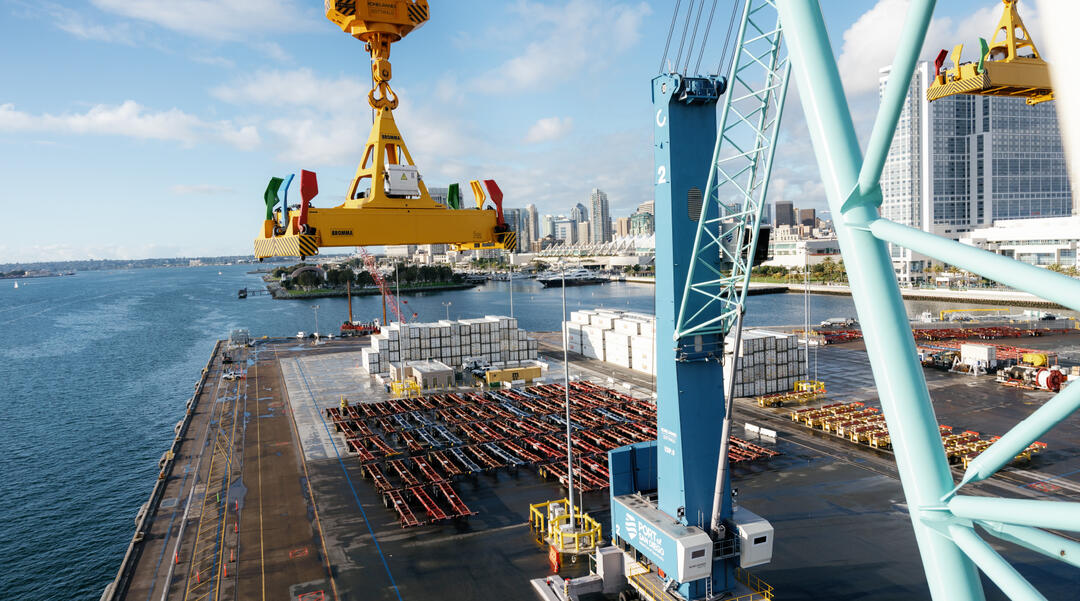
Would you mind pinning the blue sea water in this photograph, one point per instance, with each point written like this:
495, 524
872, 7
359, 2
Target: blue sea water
96, 369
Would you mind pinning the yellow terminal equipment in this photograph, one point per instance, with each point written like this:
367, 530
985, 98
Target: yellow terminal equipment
1001, 70
387, 201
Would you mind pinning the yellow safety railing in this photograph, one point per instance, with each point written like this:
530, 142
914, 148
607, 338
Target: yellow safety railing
407, 388
762, 590
814, 386
654, 588
583, 538
649, 588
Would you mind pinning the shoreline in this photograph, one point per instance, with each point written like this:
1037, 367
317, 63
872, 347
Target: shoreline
972, 296
279, 293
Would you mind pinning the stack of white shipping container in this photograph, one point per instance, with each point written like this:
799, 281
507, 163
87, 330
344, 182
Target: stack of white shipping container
492, 338
643, 354
617, 348
619, 337
573, 336
770, 362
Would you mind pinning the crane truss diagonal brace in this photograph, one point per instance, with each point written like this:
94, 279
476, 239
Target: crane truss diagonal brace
944, 521
727, 228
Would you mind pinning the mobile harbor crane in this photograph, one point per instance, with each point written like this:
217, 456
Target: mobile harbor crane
660, 501
387, 201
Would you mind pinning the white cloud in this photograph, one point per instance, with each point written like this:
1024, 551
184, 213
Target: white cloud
215, 19
116, 34
549, 128
579, 34
870, 43
296, 88
132, 120
201, 189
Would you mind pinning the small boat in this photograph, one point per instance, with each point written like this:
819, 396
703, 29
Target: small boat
16, 285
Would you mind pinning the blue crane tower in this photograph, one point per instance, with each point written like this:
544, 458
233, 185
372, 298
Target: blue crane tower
710, 184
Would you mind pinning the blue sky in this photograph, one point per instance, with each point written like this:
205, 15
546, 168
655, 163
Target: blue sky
141, 128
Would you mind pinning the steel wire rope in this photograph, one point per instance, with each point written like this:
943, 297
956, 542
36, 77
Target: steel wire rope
682, 39
671, 30
693, 36
721, 68
705, 37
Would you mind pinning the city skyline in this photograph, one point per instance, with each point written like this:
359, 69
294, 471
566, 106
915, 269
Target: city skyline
217, 108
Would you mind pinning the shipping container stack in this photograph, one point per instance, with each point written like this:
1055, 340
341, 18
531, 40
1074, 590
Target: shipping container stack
492, 339
619, 337
771, 361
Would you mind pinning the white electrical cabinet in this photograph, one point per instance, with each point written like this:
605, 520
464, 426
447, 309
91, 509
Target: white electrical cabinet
402, 180
755, 537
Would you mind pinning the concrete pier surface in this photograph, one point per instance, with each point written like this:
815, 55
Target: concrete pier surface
296, 518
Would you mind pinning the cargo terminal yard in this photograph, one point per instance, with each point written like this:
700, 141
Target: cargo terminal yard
426, 460
275, 491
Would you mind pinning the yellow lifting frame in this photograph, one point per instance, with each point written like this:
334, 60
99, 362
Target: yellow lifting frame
583, 539
372, 217
1001, 70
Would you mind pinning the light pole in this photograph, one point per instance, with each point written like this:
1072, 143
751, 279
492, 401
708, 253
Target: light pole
447, 305
315, 308
510, 280
566, 385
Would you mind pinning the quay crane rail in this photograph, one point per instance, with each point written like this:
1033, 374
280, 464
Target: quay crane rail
387, 200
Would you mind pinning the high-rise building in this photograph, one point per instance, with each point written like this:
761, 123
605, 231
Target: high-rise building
566, 230
963, 162
600, 231
547, 226
583, 231
785, 213
622, 227
515, 219
808, 217
641, 224
579, 213
439, 195
400, 250
649, 206
766, 214
534, 222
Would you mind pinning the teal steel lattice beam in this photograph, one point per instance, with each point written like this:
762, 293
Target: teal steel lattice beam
727, 228
944, 523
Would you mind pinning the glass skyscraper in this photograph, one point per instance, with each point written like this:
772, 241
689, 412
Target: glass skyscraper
963, 162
